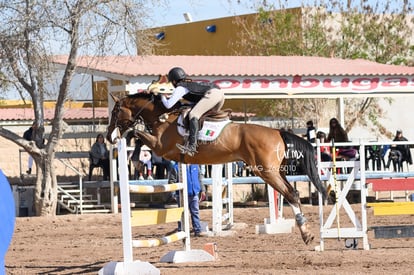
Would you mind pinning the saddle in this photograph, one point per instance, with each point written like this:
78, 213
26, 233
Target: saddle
211, 124
214, 116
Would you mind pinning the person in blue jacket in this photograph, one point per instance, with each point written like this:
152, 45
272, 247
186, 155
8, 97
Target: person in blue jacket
194, 189
7, 215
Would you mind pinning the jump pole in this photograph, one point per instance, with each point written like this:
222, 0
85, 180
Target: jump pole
187, 254
358, 229
128, 266
275, 224
218, 215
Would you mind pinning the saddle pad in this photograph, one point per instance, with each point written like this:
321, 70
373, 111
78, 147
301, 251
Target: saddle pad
209, 132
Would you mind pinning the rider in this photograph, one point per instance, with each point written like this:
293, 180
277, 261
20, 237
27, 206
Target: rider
203, 96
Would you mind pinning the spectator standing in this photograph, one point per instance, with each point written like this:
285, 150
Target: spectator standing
28, 135
162, 166
338, 134
399, 153
134, 156
403, 148
146, 158
194, 189
310, 132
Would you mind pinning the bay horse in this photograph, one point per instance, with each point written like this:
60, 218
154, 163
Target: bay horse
265, 149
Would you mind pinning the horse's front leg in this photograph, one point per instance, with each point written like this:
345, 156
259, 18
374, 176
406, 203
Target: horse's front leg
147, 138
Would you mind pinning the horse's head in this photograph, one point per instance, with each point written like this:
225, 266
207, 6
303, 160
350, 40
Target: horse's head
146, 106
126, 113
161, 86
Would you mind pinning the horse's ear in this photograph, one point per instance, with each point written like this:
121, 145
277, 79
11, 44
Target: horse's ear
163, 79
115, 98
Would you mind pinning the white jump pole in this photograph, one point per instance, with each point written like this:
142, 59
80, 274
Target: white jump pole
218, 201
275, 224
128, 266
217, 184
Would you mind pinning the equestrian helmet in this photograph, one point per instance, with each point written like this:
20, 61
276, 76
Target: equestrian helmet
176, 74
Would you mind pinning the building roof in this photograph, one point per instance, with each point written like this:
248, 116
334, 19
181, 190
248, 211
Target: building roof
19, 114
134, 66
26, 114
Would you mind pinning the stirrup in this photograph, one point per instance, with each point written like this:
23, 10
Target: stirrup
185, 149
191, 153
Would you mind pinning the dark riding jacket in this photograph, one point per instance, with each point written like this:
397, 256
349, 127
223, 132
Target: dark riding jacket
197, 90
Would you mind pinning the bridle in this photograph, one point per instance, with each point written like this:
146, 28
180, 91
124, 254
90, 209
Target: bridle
132, 122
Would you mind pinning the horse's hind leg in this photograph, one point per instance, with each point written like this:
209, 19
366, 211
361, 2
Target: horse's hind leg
301, 221
279, 182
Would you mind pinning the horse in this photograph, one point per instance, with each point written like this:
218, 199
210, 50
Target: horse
265, 149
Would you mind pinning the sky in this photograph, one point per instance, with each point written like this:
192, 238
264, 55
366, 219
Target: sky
170, 12
201, 10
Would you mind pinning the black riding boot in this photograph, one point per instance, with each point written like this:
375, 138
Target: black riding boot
192, 139
191, 145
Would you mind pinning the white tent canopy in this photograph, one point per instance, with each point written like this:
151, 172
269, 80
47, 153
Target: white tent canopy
259, 76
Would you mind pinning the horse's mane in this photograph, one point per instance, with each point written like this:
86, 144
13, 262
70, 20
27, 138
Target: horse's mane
141, 95
151, 96
148, 96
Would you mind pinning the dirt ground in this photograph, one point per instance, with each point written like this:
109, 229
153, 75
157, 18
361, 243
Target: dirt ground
83, 244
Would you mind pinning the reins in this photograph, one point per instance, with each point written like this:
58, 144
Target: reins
134, 120
137, 115
142, 108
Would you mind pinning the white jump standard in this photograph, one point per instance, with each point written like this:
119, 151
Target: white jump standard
135, 218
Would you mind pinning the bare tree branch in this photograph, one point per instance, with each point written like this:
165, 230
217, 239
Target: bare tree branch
33, 31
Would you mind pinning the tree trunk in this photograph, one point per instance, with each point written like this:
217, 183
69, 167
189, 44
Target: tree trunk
45, 199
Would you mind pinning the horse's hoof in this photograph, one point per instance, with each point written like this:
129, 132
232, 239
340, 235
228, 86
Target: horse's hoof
307, 236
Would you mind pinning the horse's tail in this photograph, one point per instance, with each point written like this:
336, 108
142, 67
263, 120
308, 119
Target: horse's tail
305, 153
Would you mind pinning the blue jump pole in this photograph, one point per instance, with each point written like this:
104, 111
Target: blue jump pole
7, 214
